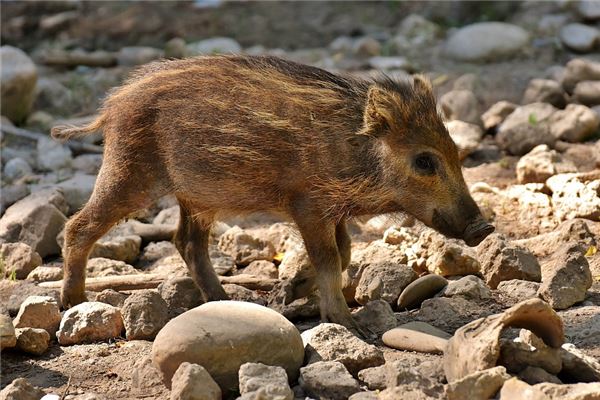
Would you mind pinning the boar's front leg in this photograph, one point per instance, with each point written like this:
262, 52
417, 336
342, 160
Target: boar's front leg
319, 236
191, 239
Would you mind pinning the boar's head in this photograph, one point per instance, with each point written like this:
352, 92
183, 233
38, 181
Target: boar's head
418, 161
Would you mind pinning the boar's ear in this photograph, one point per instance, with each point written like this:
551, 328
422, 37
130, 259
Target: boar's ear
422, 85
377, 115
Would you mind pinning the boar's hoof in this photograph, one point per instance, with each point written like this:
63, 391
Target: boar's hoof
70, 297
476, 231
476, 346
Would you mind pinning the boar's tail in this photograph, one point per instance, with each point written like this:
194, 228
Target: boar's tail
66, 132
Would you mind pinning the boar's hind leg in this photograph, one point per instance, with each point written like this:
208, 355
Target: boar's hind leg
191, 240
342, 238
111, 201
320, 239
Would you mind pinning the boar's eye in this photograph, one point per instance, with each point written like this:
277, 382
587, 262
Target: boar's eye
425, 164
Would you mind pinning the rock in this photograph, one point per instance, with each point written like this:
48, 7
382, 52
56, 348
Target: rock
574, 124
515, 388
11, 194
175, 48
144, 315
578, 70
450, 313
18, 79
544, 91
99, 266
39, 312
224, 335
19, 259
112, 297
576, 391
566, 278
7, 332
89, 322
377, 315
216, 45
466, 136
284, 236
262, 268
486, 41
469, 287
305, 307
418, 30
389, 62
245, 248
480, 385
262, 381
366, 47
518, 290
376, 252
533, 375
527, 127
579, 37
15, 169
52, 155
587, 92
575, 196
383, 281
114, 246
32, 340
405, 392
240, 293
577, 366
45, 274
145, 376
541, 163
420, 290
193, 382
333, 342
180, 294
529, 350
136, 55
503, 261
450, 260
88, 163
77, 190
575, 230
56, 99
588, 9
35, 220
416, 336
582, 327
460, 105
328, 380
476, 346
496, 114
21, 389
396, 373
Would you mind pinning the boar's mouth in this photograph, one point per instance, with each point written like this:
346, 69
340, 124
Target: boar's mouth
472, 234
476, 231
442, 225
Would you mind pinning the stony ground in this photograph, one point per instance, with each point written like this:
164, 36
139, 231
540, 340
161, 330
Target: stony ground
522, 102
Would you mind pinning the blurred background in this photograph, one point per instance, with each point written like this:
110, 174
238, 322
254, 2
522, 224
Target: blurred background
82, 48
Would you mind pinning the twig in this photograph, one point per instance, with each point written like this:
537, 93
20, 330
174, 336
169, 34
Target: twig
151, 281
66, 391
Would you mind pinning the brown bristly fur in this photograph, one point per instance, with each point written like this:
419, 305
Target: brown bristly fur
242, 134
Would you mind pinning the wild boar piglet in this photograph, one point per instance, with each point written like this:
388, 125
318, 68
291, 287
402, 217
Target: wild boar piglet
238, 134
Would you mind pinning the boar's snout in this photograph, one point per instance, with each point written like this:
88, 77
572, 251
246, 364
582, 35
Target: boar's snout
476, 231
